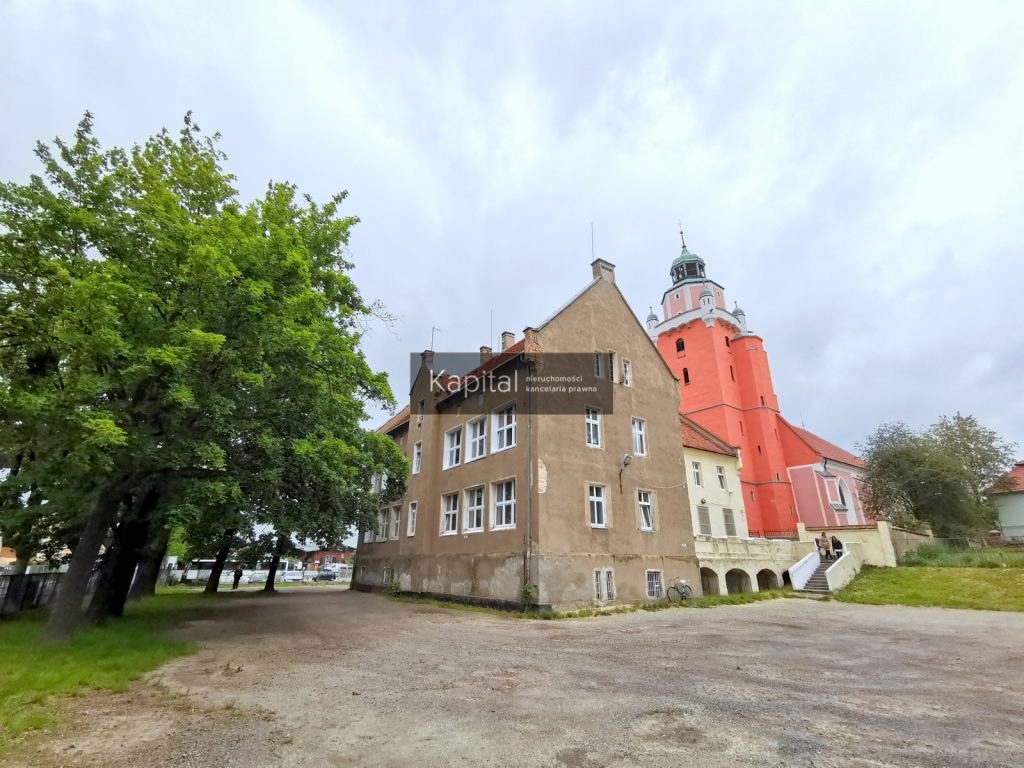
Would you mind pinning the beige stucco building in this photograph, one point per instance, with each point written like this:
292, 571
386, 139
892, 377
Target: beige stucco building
514, 492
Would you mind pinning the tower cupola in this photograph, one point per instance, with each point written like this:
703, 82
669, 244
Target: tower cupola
652, 319
687, 266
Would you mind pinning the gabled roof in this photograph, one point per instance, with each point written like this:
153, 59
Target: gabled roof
700, 439
824, 448
1013, 481
400, 418
495, 362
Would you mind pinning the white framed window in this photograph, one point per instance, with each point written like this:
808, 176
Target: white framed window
704, 521
646, 503
835, 488
654, 584
453, 447
417, 458
730, 522
477, 447
720, 471
396, 522
410, 524
611, 367
504, 433
450, 514
504, 504
598, 506
368, 536
593, 424
389, 575
474, 517
639, 437
604, 584
627, 373
697, 480
419, 414
382, 524
598, 365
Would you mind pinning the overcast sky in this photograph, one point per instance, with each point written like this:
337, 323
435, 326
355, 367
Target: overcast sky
852, 173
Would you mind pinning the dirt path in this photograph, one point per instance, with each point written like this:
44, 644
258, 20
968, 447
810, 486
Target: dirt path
325, 677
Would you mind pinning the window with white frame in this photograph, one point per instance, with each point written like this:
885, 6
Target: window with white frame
599, 585
477, 447
504, 435
609, 585
453, 447
639, 437
417, 458
419, 414
505, 504
410, 525
474, 517
593, 423
654, 584
389, 575
382, 524
646, 504
834, 486
730, 522
396, 522
627, 373
695, 466
450, 514
704, 521
368, 536
598, 507
720, 471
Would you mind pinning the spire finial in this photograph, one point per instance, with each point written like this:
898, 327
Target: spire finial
683, 239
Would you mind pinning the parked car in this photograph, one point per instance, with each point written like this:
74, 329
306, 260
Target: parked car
326, 575
258, 577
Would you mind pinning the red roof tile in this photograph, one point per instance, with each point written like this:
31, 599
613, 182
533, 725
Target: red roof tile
500, 358
394, 422
700, 439
1014, 479
825, 449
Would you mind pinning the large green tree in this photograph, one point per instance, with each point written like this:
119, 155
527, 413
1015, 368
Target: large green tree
158, 334
939, 476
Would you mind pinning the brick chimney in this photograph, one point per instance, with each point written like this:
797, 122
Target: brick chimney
507, 340
486, 353
603, 270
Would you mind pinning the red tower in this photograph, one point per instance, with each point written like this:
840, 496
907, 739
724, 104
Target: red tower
725, 385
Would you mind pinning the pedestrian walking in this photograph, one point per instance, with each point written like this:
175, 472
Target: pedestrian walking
826, 547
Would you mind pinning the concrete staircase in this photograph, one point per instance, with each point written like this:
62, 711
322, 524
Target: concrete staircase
818, 583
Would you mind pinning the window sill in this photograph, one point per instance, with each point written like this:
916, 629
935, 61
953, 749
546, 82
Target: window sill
449, 533
599, 527
503, 527
474, 530
502, 450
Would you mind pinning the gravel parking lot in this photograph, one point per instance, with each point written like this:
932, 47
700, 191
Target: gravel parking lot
324, 676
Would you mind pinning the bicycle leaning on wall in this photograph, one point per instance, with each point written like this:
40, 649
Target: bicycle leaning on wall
678, 591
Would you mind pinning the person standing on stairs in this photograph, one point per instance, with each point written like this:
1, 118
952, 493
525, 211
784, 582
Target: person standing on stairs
837, 547
826, 546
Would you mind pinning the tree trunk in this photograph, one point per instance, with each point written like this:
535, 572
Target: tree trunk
218, 567
129, 541
66, 609
149, 567
20, 565
274, 562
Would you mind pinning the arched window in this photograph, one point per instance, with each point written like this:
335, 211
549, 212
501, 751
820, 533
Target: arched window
680, 345
686, 375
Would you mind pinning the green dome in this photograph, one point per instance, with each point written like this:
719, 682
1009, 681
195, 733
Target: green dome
686, 257
737, 312
706, 292
686, 266
652, 316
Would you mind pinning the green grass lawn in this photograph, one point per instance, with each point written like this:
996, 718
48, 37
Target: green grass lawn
986, 588
103, 658
941, 556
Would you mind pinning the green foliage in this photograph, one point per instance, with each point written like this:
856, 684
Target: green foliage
107, 659
939, 477
156, 330
991, 589
938, 555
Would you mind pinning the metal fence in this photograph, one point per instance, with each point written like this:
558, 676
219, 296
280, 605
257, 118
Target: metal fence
27, 590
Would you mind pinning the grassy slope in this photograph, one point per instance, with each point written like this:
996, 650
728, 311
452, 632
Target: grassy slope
987, 588
107, 658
